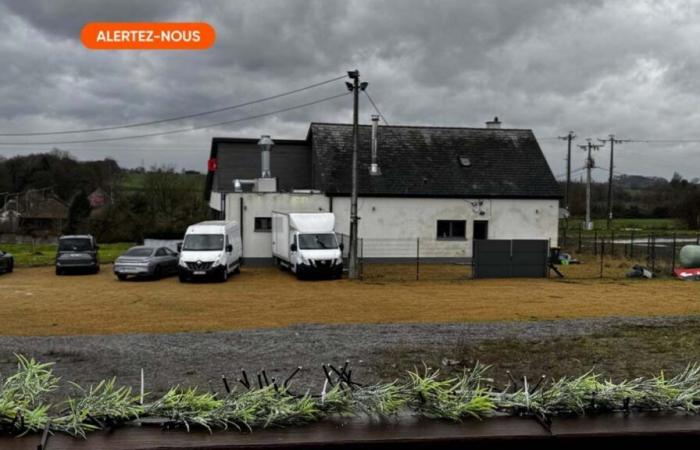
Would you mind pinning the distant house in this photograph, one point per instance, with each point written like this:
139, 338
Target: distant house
41, 212
98, 198
9, 217
448, 186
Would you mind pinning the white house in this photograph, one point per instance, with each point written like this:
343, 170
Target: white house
444, 186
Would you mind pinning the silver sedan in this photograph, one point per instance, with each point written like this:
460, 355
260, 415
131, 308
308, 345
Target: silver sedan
152, 262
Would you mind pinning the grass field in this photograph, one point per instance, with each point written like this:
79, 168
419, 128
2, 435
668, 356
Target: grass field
624, 224
36, 302
44, 255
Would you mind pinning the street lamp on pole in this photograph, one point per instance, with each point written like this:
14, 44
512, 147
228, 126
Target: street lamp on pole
355, 87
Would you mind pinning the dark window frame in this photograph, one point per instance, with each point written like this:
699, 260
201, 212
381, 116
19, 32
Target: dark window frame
262, 225
451, 236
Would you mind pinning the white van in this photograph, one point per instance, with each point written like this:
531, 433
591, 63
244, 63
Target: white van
306, 243
210, 249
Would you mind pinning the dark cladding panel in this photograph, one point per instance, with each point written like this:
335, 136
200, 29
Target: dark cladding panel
510, 258
289, 163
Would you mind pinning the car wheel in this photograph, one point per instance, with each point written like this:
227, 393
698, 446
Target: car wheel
183, 279
11, 267
59, 271
157, 273
121, 277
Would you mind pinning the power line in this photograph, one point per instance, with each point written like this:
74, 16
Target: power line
374, 105
172, 119
663, 141
180, 130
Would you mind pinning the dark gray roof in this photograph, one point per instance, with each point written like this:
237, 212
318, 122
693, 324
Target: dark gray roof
290, 163
414, 161
425, 161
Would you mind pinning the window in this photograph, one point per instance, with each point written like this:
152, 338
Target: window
317, 241
203, 242
160, 252
263, 224
451, 229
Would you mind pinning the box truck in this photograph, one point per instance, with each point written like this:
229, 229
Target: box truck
210, 249
306, 244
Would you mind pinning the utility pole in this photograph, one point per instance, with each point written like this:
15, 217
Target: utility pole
355, 87
613, 141
569, 137
589, 166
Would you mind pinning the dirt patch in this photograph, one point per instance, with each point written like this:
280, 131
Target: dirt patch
37, 302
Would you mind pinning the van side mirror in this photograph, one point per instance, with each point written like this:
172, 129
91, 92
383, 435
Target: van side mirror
179, 247
293, 247
229, 248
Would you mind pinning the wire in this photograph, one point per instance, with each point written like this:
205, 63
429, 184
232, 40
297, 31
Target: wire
663, 141
375, 107
172, 119
181, 130
572, 172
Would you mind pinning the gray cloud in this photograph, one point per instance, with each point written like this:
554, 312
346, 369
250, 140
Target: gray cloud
598, 67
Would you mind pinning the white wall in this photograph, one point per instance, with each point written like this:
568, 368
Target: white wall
259, 244
389, 226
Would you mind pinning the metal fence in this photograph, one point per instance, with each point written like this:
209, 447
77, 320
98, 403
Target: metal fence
612, 254
408, 259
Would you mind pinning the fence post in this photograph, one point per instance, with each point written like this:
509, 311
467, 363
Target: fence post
632, 245
612, 243
602, 254
417, 258
566, 227
362, 259
595, 242
673, 256
579, 239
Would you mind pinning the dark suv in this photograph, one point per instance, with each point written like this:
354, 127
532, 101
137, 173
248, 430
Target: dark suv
77, 253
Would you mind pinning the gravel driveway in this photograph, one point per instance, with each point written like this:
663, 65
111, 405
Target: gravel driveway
201, 358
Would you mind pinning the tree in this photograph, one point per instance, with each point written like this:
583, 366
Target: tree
78, 212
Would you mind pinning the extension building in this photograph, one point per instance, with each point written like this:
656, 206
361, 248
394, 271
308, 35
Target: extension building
443, 186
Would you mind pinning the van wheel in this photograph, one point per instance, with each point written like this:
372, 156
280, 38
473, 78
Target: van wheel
224, 275
237, 270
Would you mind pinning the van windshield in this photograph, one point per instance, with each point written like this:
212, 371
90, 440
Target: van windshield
317, 241
75, 245
203, 242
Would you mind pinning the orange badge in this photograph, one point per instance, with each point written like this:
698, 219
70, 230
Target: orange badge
147, 36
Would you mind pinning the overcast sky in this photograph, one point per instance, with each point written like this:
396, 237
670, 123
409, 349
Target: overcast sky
596, 67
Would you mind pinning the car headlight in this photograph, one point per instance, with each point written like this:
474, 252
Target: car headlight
305, 261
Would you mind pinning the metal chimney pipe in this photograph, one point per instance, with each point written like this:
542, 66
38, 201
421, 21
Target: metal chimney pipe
493, 124
265, 144
374, 167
